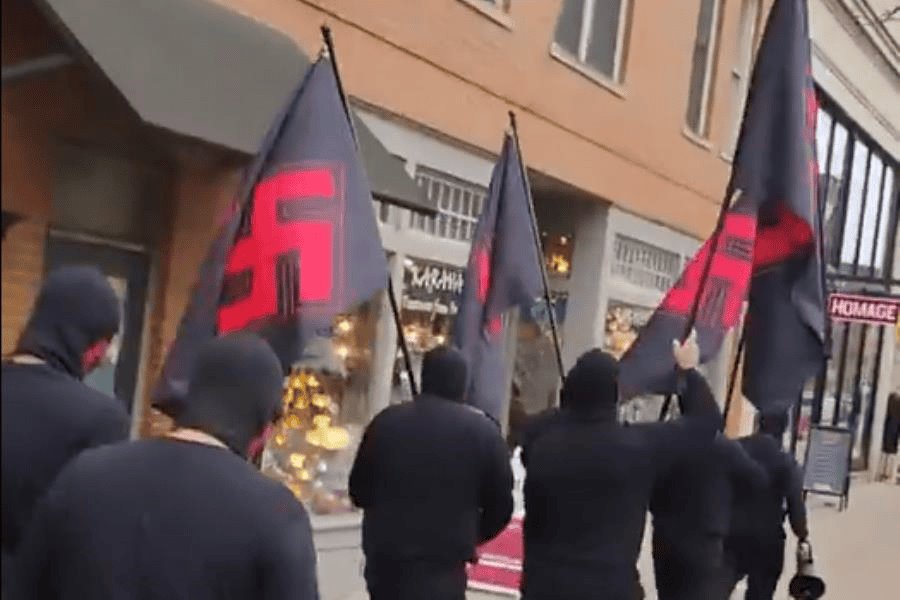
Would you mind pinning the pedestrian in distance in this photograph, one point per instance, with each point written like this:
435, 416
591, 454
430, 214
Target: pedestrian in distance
755, 546
434, 480
49, 415
589, 479
890, 436
182, 516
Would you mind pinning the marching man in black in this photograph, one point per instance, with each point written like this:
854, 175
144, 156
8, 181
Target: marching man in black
183, 516
589, 480
434, 479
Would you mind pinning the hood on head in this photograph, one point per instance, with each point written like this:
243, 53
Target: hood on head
591, 387
75, 308
235, 391
445, 374
773, 423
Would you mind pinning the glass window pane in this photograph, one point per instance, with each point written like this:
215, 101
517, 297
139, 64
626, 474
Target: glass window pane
568, 27
881, 250
455, 204
604, 37
870, 216
854, 203
702, 47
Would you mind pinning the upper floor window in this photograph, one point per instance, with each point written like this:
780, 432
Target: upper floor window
458, 202
743, 64
703, 67
592, 32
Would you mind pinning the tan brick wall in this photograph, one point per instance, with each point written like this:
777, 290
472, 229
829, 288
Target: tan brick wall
200, 196
626, 146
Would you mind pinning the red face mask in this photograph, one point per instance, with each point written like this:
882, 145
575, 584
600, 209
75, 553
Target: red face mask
258, 444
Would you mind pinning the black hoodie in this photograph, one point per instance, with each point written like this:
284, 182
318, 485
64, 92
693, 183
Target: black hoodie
49, 415
166, 519
432, 475
589, 481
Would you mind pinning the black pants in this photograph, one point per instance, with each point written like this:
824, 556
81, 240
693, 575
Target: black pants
760, 560
689, 569
580, 582
415, 580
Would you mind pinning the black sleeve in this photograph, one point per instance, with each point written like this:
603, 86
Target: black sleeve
533, 429
700, 418
746, 474
362, 475
796, 508
111, 426
495, 498
34, 575
289, 565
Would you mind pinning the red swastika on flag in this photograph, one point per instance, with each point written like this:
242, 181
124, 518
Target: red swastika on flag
494, 324
724, 267
270, 238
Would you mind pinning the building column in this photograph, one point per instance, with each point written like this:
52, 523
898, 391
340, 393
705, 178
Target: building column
384, 351
585, 321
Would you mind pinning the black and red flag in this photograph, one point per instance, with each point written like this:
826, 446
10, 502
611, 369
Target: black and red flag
766, 246
503, 272
300, 246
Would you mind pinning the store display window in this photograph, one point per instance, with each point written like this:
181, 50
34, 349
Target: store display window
429, 304
325, 412
623, 324
535, 374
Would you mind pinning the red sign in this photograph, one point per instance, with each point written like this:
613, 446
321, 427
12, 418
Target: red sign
863, 309
499, 566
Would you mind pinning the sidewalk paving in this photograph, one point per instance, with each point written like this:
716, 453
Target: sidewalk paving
857, 551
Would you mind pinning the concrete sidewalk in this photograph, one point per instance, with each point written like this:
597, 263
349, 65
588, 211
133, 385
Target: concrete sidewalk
857, 551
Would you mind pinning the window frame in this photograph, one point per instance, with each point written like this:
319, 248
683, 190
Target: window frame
746, 43
703, 130
495, 10
578, 61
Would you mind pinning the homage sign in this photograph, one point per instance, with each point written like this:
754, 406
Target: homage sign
864, 309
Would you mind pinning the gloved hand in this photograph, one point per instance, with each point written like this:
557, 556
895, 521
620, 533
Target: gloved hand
687, 355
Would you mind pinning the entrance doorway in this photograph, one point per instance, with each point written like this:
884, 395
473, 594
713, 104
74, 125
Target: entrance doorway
859, 188
127, 269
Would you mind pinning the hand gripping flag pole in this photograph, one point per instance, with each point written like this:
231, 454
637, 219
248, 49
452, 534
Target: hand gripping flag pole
554, 329
704, 277
392, 296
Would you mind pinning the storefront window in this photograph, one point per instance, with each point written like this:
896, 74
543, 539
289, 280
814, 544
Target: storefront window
535, 374
623, 325
325, 412
557, 254
430, 302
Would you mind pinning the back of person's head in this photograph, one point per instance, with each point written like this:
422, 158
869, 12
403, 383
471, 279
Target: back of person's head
445, 374
773, 423
591, 387
235, 391
75, 316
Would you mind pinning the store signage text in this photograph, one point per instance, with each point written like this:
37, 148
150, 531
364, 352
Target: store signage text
434, 278
863, 309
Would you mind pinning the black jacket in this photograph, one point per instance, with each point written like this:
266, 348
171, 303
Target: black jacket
762, 514
167, 520
587, 489
694, 501
434, 479
48, 414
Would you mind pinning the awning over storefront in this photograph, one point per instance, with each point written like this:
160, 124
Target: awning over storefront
199, 69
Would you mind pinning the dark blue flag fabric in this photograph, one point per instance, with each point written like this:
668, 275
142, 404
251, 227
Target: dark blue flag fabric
766, 248
503, 273
300, 247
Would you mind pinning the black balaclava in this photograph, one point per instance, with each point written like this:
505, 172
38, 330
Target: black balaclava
445, 374
235, 391
591, 389
75, 308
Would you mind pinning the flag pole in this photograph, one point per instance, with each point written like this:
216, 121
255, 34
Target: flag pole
554, 329
392, 296
704, 276
732, 376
